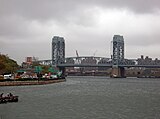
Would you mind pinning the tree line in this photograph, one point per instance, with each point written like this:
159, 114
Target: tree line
7, 65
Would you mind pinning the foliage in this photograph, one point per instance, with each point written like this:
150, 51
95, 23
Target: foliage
7, 65
45, 69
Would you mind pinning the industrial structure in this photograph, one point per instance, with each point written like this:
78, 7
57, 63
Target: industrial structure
117, 64
118, 50
118, 56
58, 50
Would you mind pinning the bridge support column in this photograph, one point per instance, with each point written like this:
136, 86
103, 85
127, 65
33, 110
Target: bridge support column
118, 72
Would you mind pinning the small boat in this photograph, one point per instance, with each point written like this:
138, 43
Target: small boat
11, 98
3, 100
8, 98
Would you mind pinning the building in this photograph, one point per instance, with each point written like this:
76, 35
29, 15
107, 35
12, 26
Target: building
29, 60
58, 50
147, 61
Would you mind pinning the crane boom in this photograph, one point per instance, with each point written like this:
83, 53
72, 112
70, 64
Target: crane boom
77, 53
77, 57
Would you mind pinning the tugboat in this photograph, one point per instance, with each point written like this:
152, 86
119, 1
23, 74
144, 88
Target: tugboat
9, 98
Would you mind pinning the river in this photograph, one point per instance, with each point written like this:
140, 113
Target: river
86, 98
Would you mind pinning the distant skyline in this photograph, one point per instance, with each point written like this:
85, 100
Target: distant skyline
88, 26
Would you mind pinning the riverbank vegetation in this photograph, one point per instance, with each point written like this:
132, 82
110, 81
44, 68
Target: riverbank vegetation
7, 65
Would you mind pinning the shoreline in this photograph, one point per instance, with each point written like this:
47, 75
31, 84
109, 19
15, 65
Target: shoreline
36, 82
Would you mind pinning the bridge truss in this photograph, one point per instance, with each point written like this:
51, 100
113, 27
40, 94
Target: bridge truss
87, 61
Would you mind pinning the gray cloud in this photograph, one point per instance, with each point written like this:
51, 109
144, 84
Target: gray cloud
59, 9
26, 24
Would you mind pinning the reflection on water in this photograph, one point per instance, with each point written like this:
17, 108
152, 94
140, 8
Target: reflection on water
86, 98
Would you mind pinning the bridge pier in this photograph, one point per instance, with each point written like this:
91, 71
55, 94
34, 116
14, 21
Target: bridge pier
118, 72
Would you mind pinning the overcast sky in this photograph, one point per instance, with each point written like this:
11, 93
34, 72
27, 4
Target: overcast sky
28, 26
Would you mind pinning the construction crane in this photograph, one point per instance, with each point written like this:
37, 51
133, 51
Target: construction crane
94, 53
79, 62
77, 54
77, 57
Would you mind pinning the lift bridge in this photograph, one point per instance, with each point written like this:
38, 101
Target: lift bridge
86, 61
117, 61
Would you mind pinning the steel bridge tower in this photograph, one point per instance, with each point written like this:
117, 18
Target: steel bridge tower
58, 53
118, 56
118, 50
58, 50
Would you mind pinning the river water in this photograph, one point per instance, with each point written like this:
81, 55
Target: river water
86, 98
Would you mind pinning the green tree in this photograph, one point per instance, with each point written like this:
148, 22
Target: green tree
7, 65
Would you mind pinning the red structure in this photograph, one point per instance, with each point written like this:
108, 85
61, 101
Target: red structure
29, 60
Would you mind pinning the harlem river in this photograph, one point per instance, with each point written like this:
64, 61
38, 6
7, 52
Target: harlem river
86, 98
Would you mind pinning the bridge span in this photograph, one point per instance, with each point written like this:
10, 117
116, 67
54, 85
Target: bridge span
107, 65
117, 62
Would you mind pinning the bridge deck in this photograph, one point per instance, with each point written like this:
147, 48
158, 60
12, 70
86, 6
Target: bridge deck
106, 65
